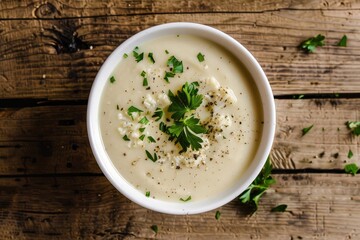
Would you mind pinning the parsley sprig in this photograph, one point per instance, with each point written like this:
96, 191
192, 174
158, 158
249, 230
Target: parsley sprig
354, 126
186, 126
257, 188
309, 45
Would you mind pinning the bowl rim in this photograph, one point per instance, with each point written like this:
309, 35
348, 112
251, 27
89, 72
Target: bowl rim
262, 85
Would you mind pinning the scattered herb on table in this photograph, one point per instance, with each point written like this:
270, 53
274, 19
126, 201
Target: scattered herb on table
350, 154
351, 168
200, 57
309, 45
155, 228
262, 182
151, 57
186, 200
354, 126
125, 55
217, 215
343, 41
306, 130
279, 208
112, 79
147, 194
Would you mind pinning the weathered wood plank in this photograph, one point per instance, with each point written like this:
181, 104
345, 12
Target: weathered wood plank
53, 139
322, 206
70, 9
39, 61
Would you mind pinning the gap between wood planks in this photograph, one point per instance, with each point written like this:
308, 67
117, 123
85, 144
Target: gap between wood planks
36, 102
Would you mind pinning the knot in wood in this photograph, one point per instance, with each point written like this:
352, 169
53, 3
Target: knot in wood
45, 10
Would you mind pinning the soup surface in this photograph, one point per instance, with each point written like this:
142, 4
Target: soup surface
180, 118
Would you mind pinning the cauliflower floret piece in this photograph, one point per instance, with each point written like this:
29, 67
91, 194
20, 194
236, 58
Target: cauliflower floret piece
150, 103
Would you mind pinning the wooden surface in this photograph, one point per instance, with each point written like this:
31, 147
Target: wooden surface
50, 184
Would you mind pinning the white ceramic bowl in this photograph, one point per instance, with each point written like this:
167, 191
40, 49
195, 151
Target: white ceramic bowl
267, 101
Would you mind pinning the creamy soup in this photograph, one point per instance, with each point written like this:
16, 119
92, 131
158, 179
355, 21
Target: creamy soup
181, 118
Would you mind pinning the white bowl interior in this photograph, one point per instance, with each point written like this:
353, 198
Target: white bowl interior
267, 102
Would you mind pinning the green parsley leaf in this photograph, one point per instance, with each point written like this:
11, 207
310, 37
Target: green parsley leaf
307, 129
168, 75
151, 157
151, 57
166, 51
186, 100
310, 44
217, 215
163, 127
147, 194
158, 114
350, 154
351, 168
151, 139
343, 41
354, 126
155, 228
142, 137
138, 57
185, 200
145, 82
141, 129
257, 188
133, 109
279, 208
125, 55
112, 79
125, 137
144, 120
143, 74
200, 57
175, 65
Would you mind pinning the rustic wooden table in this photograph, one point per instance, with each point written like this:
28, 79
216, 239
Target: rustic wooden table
50, 184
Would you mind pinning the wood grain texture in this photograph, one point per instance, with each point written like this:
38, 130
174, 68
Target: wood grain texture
53, 139
89, 8
320, 206
58, 59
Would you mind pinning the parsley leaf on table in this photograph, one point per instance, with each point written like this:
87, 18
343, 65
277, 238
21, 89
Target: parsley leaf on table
279, 208
158, 114
351, 168
307, 129
343, 41
309, 45
354, 126
257, 188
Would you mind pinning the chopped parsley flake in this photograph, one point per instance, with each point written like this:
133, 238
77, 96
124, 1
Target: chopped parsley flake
147, 194
133, 109
125, 137
307, 129
279, 208
354, 126
351, 168
138, 57
310, 44
112, 79
166, 51
158, 114
200, 57
175, 65
350, 154
145, 82
168, 75
151, 157
185, 200
151, 57
142, 137
217, 215
343, 41
143, 74
155, 228
151, 139
144, 120
141, 129
125, 55
117, 107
